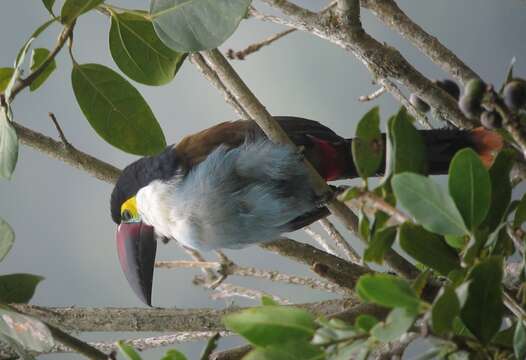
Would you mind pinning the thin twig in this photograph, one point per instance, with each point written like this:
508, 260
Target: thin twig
25, 82
59, 130
320, 240
340, 241
374, 95
252, 48
225, 290
211, 76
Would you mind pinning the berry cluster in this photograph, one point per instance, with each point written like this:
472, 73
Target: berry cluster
477, 100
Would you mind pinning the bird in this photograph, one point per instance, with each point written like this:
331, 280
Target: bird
229, 186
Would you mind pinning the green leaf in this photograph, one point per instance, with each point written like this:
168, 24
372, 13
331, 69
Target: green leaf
420, 282
173, 355
388, 290
428, 248
380, 243
72, 9
128, 351
520, 213
19, 62
7, 238
37, 58
367, 146
268, 325
445, 308
397, 323
457, 242
483, 310
268, 301
470, 187
500, 188
18, 288
5, 76
116, 110
366, 322
195, 25
509, 74
49, 6
34, 35
139, 53
425, 201
27, 331
301, 350
406, 147
519, 341
8, 146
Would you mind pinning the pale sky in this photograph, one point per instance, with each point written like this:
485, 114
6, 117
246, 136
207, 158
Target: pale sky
61, 215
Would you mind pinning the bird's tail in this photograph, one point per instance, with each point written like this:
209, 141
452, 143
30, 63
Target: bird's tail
441, 145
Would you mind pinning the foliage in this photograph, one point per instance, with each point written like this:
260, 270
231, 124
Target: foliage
460, 237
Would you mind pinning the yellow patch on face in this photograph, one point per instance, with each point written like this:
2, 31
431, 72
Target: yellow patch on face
129, 210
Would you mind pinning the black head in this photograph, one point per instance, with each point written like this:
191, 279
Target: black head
139, 174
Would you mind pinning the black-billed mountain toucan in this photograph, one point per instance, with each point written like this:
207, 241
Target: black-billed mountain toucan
228, 186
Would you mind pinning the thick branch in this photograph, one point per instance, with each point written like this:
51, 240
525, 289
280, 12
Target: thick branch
68, 154
155, 319
392, 16
382, 61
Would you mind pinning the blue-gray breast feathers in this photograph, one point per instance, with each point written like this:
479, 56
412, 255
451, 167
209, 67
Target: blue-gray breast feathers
243, 195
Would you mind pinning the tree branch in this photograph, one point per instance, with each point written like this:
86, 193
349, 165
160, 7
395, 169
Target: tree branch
68, 154
154, 319
391, 15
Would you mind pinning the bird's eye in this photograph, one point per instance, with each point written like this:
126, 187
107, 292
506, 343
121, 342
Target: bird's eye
126, 215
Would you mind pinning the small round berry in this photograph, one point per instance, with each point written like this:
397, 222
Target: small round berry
450, 87
491, 120
515, 94
418, 103
470, 106
475, 88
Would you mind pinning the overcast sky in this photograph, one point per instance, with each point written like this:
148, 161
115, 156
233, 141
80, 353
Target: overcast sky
61, 215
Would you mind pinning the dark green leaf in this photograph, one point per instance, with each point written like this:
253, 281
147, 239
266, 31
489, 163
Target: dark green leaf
504, 338
519, 341
139, 53
364, 225
520, 213
500, 188
397, 323
7, 238
388, 290
173, 355
483, 310
5, 76
470, 187
301, 350
425, 201
18, 288
72, 9
445, 308
8, 146
428, 248
406, 146
367, 146
366, 322
268, 325
37, 58
128, 351
457, 242
27, 331
190, 25
380, 243
421, 281
33, 36
116, 110
49, 6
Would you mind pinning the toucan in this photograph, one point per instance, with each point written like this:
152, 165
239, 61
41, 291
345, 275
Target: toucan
229, 186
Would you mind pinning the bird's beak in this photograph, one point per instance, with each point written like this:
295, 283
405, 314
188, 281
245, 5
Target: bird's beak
136, 246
